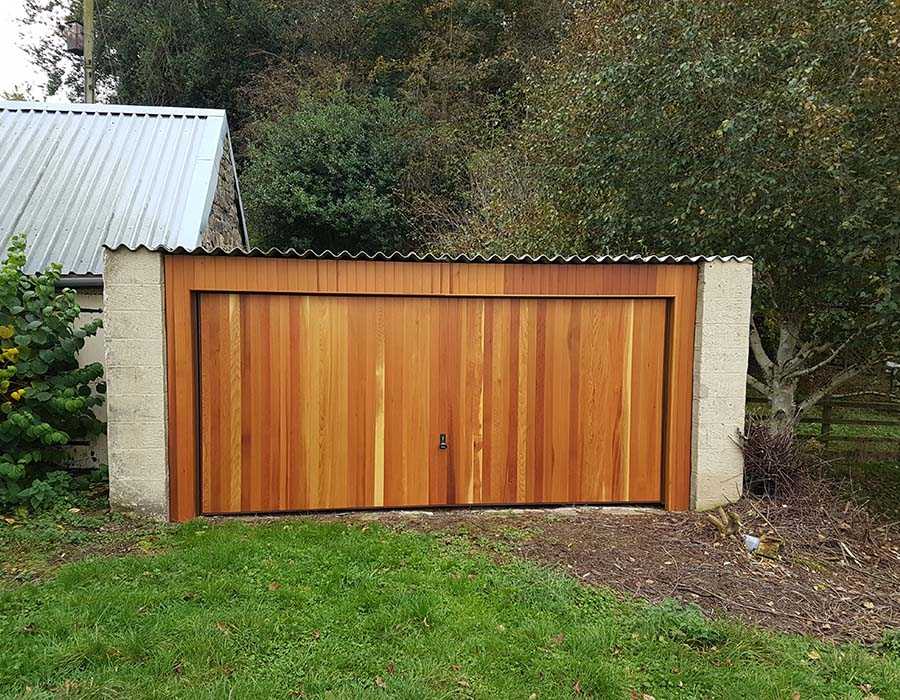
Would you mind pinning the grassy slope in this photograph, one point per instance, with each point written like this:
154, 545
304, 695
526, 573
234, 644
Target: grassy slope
306, 609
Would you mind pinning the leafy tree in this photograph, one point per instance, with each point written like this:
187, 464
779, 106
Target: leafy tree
46, 400
457, 63
709, 126
191, 53
328, 174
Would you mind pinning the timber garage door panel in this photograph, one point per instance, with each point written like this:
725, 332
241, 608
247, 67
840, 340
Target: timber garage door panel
320, 402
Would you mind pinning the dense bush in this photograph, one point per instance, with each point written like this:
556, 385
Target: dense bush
46, 400
328, 175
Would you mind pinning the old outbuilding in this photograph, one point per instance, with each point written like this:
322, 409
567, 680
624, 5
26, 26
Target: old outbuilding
75, 178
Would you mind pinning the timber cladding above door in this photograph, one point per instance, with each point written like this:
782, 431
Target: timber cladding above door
303, 384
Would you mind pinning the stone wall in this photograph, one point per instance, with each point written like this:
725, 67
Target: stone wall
133, 302
721, 347
224, 225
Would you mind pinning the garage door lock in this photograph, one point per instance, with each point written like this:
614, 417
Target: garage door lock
442, 441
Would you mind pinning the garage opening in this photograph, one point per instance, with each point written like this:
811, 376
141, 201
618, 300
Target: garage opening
344, 401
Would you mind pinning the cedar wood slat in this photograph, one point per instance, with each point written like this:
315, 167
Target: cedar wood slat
520, 447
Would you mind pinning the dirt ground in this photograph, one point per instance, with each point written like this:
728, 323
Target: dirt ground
837, 575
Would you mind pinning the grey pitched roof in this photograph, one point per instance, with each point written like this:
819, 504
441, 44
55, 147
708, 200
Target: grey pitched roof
75, 177
397, 256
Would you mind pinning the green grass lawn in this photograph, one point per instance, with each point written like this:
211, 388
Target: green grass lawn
309, 609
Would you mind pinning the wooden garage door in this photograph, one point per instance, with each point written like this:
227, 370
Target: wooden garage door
319, 402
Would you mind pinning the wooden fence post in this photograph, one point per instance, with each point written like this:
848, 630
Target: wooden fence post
825, 431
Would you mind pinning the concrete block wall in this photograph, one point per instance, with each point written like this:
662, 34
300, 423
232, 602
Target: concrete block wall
721, 346
135, 353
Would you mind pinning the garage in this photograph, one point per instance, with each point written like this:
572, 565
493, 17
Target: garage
268, 382
312, 402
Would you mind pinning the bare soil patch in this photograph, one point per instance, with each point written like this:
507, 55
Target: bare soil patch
837, 576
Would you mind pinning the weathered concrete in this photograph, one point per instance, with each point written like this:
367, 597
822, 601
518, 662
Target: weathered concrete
721, 343
135, 344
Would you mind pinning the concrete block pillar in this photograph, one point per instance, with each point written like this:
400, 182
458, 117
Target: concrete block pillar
135, 354
721, 351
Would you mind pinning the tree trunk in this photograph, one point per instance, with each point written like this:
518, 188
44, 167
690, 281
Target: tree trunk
782, 403
793, 359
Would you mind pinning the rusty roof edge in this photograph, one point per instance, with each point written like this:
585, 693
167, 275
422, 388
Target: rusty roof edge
431, 257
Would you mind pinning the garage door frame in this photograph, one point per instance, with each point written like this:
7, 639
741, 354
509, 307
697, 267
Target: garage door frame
188, 276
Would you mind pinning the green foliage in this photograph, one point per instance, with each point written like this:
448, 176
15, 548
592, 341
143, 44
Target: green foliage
328, 175
458, 65
191, 53
716, 127
46, 399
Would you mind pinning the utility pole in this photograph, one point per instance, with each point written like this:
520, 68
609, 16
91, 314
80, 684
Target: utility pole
89, 96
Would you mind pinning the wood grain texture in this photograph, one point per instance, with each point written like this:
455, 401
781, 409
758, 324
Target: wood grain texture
305, 407
516, 345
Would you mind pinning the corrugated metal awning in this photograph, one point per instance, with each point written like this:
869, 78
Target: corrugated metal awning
432, 257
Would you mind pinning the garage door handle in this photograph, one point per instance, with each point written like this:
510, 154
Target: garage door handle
442, 441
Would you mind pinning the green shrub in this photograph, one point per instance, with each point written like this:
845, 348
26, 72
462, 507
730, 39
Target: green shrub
328, 176
46, 400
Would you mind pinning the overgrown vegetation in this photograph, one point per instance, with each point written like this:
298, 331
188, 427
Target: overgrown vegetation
558, 126
330, 610
46, 400
763, 128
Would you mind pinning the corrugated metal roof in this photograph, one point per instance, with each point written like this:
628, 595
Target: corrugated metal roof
431, 257
74, 178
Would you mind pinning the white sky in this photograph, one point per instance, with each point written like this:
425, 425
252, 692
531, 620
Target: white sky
16, 70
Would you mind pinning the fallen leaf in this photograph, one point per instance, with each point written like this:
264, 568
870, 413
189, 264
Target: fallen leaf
316, 634
223, 628
869, 605
391, 668
814, 655
559, 638
533, 696
577, 688
379, 681
462, 682
274, 586
455, 667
